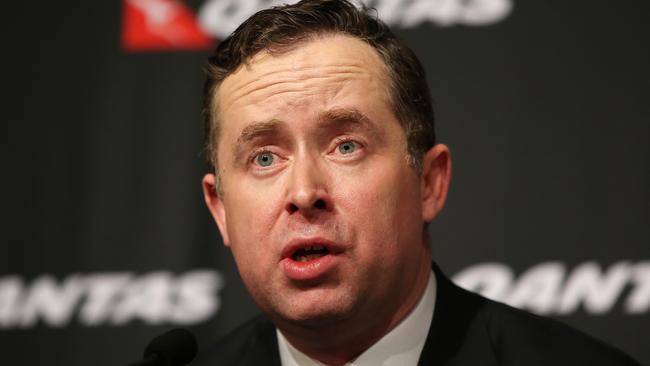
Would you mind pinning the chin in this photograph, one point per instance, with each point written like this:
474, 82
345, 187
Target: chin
316, 319
316, 313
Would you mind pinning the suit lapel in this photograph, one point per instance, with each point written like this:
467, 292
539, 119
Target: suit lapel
457, 335
263, 346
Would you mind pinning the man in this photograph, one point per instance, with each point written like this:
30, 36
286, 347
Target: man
327, 172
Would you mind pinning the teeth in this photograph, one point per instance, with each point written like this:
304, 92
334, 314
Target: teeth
308, 257
315, 247
309, 253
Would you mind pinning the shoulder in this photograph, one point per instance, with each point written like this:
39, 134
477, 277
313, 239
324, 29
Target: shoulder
518, 337
470, 329
252, 343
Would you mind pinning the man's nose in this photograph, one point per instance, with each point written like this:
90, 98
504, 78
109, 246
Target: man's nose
308, 192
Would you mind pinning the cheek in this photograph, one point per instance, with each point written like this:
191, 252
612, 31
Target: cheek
384, 204
251, 214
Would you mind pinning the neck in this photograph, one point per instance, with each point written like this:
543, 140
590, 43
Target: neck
341, 342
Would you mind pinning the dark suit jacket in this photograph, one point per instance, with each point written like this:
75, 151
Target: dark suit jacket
467, 329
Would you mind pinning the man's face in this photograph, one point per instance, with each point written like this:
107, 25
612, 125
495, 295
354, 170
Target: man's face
322, 213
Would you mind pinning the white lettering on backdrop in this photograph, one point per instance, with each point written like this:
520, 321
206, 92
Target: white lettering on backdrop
114, 298
551, 288
221, 17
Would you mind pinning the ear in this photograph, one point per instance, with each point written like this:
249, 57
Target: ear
215, 205
436, 175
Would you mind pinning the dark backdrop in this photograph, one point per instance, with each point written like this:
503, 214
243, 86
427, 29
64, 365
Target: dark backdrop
105, 239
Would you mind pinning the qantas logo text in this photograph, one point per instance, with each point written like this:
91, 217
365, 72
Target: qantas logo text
159, 25
552, 288
113, 299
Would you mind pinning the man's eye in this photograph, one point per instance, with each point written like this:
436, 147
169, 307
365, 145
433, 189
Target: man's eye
264, 159
347, 147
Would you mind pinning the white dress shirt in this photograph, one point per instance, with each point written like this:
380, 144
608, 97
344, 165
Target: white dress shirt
399, 347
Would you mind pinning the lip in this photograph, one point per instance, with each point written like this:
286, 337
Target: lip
313, 269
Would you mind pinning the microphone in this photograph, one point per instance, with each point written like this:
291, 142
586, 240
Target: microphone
176, 347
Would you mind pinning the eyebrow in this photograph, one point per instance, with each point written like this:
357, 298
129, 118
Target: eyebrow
257, 129
253, 131
347, 118
343, 116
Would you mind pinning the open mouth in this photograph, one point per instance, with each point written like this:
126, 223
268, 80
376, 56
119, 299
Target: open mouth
309, 253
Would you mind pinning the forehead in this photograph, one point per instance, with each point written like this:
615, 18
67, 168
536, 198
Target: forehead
323, 64
328, 50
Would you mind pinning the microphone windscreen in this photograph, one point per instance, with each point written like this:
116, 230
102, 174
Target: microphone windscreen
174, 348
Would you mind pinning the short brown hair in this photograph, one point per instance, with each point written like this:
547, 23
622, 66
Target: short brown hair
282, 28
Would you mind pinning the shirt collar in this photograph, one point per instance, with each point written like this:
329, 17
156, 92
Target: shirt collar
399, 347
